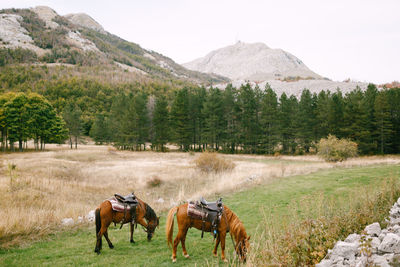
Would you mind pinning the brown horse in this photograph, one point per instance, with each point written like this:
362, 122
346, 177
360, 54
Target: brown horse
229, 222
105, 215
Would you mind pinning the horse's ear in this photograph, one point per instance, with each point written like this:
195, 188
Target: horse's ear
248, 238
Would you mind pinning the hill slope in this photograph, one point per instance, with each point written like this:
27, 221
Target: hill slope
40, 35
254, 62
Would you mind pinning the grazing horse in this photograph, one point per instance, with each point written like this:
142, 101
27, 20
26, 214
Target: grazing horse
229, 222
104, 215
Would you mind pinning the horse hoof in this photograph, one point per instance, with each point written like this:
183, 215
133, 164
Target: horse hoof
215, 254
111, 246
225, 260
97, 251
186, 256
173, 260
132, 241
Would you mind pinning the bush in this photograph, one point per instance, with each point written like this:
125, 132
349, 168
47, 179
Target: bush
154, 181
211, 162
334, 149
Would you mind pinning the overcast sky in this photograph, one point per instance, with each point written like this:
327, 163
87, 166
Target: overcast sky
338, 39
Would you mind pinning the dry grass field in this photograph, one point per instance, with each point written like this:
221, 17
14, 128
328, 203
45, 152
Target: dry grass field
46, 187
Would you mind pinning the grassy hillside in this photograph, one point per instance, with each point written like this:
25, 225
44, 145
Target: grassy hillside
55, 46
268, 207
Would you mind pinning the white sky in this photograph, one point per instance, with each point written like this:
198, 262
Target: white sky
338, 39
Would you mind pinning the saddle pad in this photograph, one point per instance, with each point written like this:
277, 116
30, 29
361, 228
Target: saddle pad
117, 206
194, 212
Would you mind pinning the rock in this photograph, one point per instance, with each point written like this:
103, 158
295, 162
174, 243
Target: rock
375, 242
160, 200
380, 261
345, 250
90, 217
373, 229
67, 221
390, 244
394, 221
86, 21
398, 202
395, 211
324, 263
353, 238
394, 229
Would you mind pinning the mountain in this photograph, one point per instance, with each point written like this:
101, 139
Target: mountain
39, 35
253, 62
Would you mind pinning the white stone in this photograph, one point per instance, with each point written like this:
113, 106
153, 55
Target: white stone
373, 229
390, 244
324, 263
375, 242
90, 217
398, 201
394, 221
353, 238
160, 200
67, 221
345, 250
380, 261
86, 21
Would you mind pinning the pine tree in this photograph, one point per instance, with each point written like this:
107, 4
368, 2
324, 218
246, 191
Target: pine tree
383, 123
287, 114
306, 120
213, 117
161, 123
180, 119
231, 121
269, 120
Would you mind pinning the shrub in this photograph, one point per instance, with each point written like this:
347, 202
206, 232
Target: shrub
154, 181
334, 149
211, 162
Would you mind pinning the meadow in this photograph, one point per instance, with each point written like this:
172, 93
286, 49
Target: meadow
269, 194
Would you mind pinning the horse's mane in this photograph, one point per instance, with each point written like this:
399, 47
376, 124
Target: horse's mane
236, 227
150, 214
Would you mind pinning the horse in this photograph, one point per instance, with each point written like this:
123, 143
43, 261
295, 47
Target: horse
104, 215
229, 222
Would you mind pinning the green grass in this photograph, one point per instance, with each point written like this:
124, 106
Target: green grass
278, 198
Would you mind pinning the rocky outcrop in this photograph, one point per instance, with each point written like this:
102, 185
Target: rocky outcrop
254, 62
12, 35
47, 15
375, 247
84, 20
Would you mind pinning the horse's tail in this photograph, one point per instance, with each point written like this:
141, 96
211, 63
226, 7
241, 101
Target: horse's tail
169, 225
98, 223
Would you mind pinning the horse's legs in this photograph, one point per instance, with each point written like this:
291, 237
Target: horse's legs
222, 238
216, 245
110, 245
183, 239
181, 234
132, 230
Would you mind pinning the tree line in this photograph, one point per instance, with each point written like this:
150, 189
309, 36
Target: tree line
251, 120
30, 116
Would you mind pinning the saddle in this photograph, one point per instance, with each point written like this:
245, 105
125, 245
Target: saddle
131, 202
207, 212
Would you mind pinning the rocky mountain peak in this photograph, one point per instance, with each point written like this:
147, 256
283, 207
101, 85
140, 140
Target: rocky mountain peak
46, 14
252, 61
84, 20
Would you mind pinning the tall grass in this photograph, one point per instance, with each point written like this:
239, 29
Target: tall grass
305, 237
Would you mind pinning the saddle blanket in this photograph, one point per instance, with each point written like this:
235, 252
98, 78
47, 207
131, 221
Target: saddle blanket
196, 212
117, 206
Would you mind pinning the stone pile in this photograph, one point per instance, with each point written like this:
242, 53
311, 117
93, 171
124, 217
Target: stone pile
375, 247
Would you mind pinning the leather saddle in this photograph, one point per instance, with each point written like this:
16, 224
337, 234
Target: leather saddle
129, 199
212, 206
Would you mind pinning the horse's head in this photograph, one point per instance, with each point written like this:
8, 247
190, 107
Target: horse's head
152, 222
151, 227
243, 247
